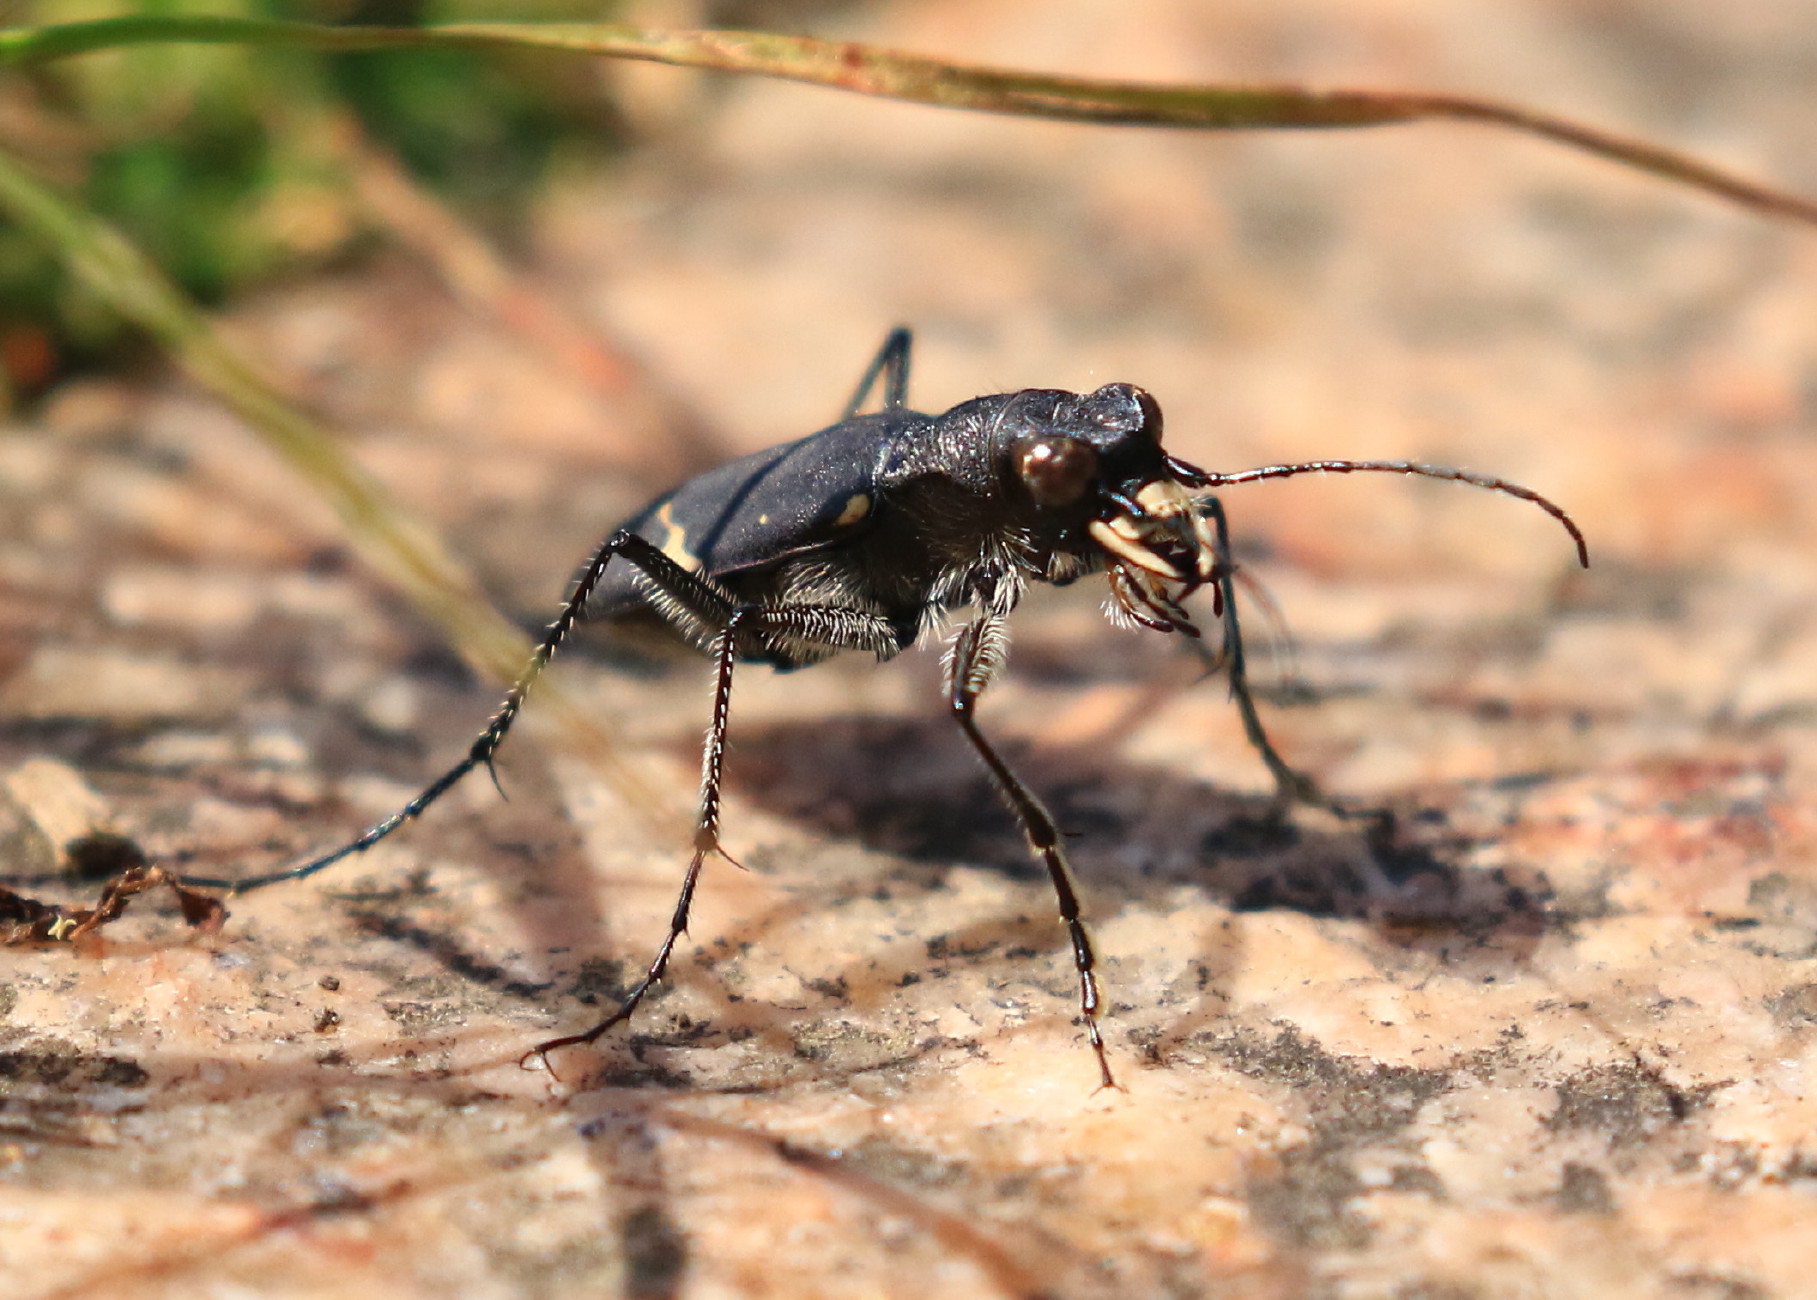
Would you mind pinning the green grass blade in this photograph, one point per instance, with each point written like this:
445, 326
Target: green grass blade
404, 549
869, 70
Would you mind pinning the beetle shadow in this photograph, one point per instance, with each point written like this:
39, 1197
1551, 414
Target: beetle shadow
910, 788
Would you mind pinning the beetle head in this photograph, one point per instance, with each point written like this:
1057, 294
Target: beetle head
1094, 460
1095, 483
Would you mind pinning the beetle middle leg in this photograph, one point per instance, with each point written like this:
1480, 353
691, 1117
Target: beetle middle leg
976, 656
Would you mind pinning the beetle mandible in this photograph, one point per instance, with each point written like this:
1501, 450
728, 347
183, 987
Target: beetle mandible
863, 535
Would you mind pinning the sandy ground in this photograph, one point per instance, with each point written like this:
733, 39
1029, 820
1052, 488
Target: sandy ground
1573, 1053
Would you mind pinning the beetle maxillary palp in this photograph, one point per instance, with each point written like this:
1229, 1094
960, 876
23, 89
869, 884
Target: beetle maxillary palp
1161, 532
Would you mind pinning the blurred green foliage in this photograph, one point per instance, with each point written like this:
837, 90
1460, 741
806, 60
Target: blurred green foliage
230, 165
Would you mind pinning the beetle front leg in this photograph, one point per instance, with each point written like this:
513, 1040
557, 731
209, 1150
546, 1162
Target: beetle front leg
976, 656
1291, 785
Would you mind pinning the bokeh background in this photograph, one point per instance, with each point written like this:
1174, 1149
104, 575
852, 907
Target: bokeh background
1571, 1051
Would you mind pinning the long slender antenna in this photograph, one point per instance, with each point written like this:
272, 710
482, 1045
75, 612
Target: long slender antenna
1193, 476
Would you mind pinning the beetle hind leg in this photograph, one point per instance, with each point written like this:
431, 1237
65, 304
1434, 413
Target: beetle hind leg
696, 592
891, 365
833, 627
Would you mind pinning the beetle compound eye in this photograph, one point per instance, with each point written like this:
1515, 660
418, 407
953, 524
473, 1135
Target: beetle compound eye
1056, 470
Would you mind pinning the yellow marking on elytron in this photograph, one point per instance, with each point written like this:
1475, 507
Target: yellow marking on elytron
856, 508
763, 519
675, 540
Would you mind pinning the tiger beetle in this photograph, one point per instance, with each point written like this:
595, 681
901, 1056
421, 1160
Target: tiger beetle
862, 536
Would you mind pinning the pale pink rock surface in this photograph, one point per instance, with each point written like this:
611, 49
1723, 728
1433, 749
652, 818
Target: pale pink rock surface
1575, 1056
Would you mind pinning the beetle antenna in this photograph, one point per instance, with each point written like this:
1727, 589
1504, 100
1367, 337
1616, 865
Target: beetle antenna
1193, 476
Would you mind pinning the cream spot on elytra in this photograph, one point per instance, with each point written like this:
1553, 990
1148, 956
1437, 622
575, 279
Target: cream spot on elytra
675, 540
856, 508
